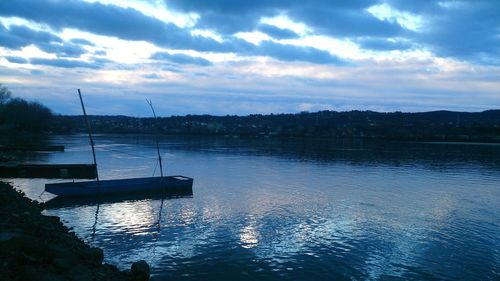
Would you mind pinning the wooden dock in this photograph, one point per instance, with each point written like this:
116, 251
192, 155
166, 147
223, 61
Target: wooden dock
49, 171
32, 147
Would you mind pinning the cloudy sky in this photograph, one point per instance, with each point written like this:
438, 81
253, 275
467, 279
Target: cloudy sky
261, 56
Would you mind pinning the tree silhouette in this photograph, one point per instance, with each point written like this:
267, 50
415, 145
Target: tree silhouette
17, 114
5, 94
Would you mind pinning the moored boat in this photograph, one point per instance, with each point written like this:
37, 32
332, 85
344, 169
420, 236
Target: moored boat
166, 184
94, 200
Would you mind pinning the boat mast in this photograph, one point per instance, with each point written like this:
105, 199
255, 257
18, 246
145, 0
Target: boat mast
90, 134
156, 138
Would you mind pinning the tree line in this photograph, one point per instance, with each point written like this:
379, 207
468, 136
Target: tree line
20, 115
436, 125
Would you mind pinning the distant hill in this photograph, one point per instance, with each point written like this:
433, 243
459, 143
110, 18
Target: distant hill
424, 126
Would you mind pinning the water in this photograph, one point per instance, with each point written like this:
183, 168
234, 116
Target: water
296, 210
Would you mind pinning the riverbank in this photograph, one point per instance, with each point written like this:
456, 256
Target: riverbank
38, 247
356, 125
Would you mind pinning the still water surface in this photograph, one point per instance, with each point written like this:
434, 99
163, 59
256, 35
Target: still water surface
295, 210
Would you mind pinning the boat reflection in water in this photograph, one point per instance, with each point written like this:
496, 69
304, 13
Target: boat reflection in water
130, 220
65, 202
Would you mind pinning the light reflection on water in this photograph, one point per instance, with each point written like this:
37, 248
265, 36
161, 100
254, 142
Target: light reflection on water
272, 210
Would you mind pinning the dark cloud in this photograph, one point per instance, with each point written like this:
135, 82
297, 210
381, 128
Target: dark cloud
467, 30
383, 44
19, 60
334, 17
172, 68
130, 24
284, 52
80, 41
27, 33
65, 63
180, 59
63, 50
229, 24
294, 53
17, 37
417, 7
100, 53
102, 61
276, 32
346, 22
228, 17
110, 20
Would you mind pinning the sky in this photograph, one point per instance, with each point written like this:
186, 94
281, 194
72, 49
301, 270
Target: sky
252, 57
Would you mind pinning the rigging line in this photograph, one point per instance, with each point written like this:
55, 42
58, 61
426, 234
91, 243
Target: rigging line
156, 166
159, 214
158, 232
94, 227
40, 196
157, 141
89, 129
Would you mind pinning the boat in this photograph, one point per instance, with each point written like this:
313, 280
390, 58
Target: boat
59, 202
165, 184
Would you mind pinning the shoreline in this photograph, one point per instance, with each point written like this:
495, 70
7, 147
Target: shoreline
276, 137
38, 247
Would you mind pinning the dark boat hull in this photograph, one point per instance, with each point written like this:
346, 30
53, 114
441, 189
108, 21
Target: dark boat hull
76, 201
170, 184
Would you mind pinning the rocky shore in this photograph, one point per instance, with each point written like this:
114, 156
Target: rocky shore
38, 247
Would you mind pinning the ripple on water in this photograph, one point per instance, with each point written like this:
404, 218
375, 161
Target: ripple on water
295, 211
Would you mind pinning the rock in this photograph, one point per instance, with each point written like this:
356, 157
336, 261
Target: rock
95, 255
53, 219
140, 270
8, 235
32, 247
31, 273
63, 264
38, 247
79, 273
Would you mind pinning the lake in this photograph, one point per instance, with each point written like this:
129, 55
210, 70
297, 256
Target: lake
272, 209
